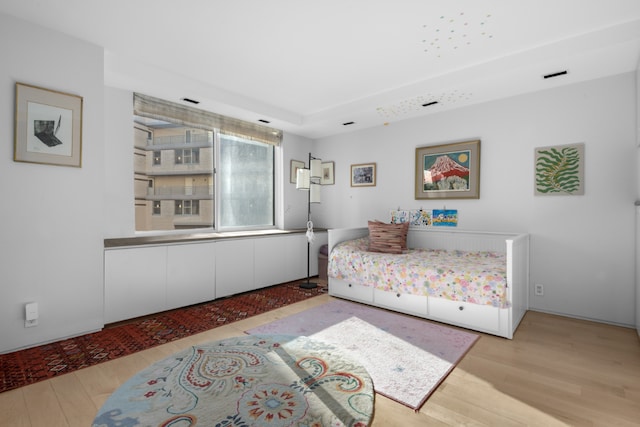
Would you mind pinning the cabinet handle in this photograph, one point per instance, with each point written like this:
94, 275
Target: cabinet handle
398, 295
349, 284
461, 308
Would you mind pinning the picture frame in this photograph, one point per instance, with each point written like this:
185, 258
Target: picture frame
295, 165
363, 175
328, 174
48, 126
559, 170
448, 171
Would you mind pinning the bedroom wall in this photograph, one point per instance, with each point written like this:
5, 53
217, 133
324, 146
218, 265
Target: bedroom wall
582, 247
52, 216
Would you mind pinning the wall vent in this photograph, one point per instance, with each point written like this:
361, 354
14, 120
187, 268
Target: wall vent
558, 74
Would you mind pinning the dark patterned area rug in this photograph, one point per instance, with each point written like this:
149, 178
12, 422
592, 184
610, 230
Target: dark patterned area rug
35, 364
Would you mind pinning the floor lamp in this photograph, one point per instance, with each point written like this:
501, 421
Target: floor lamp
309, 180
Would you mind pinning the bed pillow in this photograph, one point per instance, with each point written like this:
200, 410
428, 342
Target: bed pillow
388, 238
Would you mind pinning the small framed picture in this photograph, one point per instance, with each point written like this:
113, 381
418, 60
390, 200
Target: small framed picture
295, 165
328, 176
48, 127
363, 175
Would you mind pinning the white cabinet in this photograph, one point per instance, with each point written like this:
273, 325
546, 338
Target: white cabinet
280, 259
144, 280
134, 282
234, 266
148, 279
191, 274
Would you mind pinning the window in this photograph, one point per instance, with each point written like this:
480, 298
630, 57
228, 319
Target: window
216, 158
187, 207
187, 156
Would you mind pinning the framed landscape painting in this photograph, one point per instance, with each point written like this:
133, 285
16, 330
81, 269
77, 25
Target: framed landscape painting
448, 171
48, 127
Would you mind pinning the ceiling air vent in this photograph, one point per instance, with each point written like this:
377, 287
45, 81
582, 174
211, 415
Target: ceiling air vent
193, 101
558, 74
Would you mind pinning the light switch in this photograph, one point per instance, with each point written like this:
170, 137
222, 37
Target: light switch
31, 311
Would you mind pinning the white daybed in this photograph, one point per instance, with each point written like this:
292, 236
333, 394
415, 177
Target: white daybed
498, 316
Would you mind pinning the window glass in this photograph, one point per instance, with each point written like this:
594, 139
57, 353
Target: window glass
246, 182
176, 187
179, 194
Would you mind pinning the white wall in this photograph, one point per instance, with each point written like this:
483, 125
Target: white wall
52, 216
582, 247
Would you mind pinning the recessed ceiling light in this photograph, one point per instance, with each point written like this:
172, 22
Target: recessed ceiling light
559, 73
193, 101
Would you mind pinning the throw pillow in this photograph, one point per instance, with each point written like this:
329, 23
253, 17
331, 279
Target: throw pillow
388, 238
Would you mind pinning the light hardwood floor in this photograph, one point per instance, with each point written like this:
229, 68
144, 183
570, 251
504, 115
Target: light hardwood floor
557, 371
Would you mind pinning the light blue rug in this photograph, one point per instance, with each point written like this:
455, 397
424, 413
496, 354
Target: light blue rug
260, 380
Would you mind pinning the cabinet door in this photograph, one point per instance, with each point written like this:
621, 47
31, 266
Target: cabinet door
295, 254
191, 273
134, 282
280, 259
270, 265
234, 267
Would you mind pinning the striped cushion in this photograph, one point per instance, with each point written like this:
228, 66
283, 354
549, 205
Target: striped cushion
388, 238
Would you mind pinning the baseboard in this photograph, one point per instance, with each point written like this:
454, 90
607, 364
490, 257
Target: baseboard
588, 319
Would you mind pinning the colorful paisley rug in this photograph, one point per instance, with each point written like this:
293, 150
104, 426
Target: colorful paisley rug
259, 380
407, 357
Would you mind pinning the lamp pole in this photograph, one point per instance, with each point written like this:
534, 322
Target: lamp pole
308, 284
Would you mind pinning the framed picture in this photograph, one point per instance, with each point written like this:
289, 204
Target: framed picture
295, 165
448, 171
328, 176
559, 170
48, 127
363, 175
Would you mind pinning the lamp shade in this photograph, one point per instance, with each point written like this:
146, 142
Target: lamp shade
316, 168
303, 179
314, 196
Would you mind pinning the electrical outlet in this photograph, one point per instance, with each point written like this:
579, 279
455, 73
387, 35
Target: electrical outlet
539, 290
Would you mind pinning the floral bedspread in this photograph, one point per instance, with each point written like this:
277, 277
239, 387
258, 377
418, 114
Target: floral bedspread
473, 277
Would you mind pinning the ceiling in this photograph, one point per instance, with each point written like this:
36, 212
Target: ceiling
309, 66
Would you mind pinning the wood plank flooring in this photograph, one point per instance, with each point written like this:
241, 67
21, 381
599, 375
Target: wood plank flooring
557, 371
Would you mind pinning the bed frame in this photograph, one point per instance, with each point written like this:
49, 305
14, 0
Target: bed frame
496, 321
